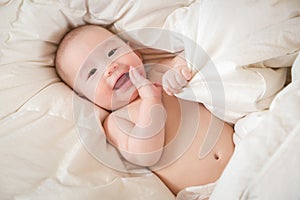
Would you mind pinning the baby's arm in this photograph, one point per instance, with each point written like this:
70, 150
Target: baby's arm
177, 77
140, 142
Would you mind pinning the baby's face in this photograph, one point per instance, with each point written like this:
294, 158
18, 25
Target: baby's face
102, 75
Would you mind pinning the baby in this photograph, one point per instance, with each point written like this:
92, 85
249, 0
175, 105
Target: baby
144, 118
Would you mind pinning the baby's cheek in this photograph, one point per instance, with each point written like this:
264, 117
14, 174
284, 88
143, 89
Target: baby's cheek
102, 98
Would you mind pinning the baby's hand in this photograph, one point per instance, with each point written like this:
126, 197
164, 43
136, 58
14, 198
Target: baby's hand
175, 79
145, 88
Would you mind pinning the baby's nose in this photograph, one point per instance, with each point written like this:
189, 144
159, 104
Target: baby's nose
111, 68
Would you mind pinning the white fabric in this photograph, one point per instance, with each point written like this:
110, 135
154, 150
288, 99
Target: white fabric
42, 155
196, 192
41, 150
264, 165
234, 35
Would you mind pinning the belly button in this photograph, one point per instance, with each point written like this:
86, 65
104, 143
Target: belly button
216, 156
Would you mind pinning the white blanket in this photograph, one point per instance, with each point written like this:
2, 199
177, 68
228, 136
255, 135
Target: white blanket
233, 44
264, 165
42, 152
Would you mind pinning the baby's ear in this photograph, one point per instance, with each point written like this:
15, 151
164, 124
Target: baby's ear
135, 49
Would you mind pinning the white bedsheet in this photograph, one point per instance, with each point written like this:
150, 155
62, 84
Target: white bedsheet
42, 155
41, 151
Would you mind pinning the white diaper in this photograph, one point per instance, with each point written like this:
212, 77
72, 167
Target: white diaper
196, 192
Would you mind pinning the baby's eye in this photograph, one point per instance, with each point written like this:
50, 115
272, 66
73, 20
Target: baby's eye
112, 52
92, 72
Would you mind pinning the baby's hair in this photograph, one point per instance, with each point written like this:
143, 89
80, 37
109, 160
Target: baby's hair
62, 47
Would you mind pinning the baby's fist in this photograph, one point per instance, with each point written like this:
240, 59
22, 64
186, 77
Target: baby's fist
175, 79
145, 88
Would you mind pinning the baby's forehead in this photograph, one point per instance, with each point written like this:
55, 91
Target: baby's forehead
88, 42
95, 35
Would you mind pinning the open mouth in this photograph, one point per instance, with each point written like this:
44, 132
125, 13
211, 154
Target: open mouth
121, 81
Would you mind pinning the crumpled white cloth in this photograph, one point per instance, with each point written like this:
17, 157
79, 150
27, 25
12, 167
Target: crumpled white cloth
196, 192
231, 42
263, 165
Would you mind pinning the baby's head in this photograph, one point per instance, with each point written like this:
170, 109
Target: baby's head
95, 63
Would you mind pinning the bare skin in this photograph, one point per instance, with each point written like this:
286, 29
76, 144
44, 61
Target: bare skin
188, 170
132, 100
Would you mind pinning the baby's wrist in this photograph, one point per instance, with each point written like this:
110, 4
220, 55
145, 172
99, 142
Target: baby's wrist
150, 91
151, 99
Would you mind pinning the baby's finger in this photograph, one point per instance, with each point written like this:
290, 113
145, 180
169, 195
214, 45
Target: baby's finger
176, 81
157, 84
168, 88
186, 72
169, 93
181, 81
175, 91
134, 76
137, 79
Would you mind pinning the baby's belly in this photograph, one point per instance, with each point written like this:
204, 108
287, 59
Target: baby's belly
184, 168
